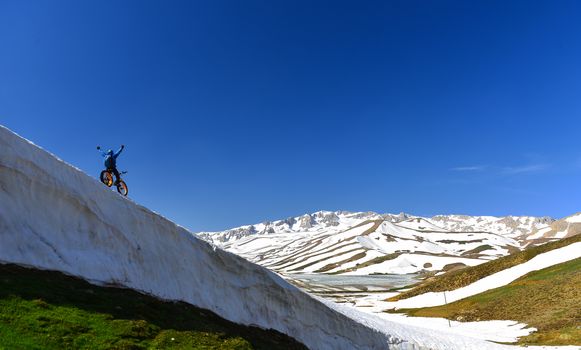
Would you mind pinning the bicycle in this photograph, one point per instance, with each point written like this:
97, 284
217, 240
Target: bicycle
106, 178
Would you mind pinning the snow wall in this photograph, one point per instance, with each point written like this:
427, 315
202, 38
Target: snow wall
54, 216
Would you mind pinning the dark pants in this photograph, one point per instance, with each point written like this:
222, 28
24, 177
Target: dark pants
116, 173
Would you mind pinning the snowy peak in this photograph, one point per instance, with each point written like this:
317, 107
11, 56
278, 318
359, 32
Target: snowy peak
319, 221
516, 227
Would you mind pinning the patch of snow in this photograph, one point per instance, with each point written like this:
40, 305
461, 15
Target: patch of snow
562, 234
410, 263
574, 219
420, 224
540, 233
468, 336
498, 331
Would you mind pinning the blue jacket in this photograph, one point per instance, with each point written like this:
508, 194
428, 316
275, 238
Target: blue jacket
111, 158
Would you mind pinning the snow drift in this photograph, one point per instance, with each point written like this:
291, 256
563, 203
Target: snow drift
53, 216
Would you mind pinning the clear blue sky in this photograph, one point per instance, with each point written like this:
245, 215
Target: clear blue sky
235, 112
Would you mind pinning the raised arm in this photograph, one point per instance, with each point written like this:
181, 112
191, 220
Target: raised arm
119, 151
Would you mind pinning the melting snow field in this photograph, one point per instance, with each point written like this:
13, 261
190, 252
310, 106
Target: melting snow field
333, 288
499, 331
459, 334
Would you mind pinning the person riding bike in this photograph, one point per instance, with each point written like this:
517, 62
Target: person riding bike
111, 162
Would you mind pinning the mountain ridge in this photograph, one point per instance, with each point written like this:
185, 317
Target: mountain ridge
452, 222
327, 241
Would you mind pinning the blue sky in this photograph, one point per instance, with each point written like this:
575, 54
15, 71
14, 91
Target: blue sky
235, 112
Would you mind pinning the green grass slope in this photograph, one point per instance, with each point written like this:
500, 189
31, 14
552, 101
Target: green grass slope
547, 299
49, 310
463, 277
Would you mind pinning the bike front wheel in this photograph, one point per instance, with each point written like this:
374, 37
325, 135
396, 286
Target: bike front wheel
122, 188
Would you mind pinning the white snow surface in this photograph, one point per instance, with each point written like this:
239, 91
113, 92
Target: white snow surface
53, 216
540, 233
499, 279
575, 219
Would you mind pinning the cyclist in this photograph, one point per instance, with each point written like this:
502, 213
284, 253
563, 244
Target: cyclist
111, 162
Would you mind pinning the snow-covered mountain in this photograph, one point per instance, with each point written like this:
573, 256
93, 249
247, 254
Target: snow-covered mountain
371, 243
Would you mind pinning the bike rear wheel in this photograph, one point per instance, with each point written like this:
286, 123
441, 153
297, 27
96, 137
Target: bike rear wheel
122, 188
106, 178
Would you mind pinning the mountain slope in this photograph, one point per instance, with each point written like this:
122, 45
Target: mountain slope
489, 280
53, 216
464, 277
547, 299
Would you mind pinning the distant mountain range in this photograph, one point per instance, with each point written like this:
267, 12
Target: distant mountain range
366, 243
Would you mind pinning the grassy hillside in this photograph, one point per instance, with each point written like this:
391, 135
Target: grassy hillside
49, 310
547, 299
463, 277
